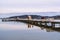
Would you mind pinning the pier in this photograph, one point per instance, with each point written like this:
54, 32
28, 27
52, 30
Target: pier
47, 23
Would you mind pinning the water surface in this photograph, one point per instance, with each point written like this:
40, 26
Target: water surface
23, 31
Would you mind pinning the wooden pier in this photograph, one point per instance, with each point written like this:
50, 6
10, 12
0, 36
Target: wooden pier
48, 23
45, 23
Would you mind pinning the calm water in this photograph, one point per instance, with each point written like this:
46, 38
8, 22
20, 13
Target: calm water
22, 31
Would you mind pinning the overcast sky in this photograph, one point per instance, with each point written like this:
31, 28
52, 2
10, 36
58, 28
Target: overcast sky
7, 6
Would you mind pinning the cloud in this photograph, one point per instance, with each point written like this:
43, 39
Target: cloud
29, 5
16, 10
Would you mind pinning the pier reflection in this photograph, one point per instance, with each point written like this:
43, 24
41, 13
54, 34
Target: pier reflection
30, 26
44, 28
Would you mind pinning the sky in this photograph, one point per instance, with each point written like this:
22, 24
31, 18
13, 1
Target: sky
10, 6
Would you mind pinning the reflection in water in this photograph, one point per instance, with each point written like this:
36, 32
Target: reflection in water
20, 31
19, 25
49, 30
30, 26
42, 28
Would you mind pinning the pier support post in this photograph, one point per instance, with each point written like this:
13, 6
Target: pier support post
53, 25
45, 24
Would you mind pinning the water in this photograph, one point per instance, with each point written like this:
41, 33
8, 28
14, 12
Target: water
23, 31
